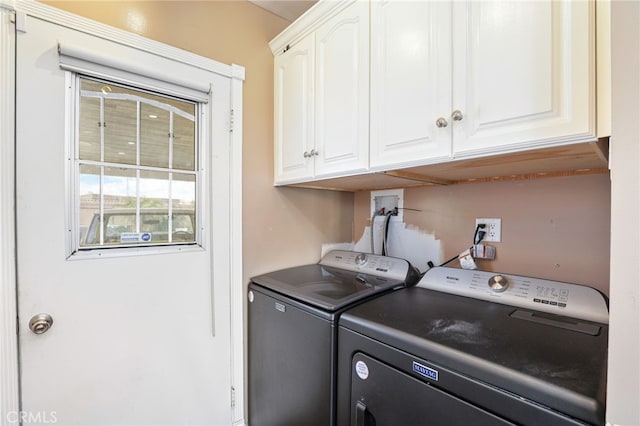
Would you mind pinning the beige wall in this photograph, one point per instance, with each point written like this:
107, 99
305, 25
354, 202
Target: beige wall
282, 226
554, 228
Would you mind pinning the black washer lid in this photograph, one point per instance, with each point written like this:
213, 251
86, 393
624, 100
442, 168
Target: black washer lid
325, 287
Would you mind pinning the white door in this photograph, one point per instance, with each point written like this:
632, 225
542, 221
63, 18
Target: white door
140, 334
410, 82
342, 92
294, 111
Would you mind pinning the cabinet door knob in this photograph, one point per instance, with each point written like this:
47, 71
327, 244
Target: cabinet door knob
441, 122
306, 154
457, 115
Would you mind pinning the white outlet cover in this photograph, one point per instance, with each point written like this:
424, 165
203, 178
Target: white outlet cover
494, 230
386, 192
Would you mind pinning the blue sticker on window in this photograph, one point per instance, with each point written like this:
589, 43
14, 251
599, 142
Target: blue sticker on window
425, 371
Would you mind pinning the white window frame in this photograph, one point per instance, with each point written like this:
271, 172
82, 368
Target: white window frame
74, 250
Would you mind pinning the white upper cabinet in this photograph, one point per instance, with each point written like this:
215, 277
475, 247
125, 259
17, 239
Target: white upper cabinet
524, 74
411, 71
322, 100
342, 92
469, 78
294, 101
449, 79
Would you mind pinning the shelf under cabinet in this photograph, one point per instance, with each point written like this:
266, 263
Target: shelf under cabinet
566, 160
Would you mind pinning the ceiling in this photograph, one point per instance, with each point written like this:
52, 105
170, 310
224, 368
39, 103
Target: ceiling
287, 9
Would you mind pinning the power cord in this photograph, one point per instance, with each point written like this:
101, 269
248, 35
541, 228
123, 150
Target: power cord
387, 219
373, 218
478, 236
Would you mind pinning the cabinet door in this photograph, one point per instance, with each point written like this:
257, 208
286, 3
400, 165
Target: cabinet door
523, 74
410, 82
294, 112
342, 92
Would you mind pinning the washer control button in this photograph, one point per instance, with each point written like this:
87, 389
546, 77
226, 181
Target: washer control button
361, 259
498, 283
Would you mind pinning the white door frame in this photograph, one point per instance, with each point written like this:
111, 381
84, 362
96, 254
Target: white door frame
14, 13
9, 384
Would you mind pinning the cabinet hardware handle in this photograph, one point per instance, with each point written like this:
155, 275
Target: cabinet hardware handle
306, 154
441, 122
457, 115
314, 153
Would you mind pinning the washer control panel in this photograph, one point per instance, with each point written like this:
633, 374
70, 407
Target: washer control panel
555, 297
371, 264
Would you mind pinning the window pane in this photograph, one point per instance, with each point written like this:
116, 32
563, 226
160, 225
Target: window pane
119, 193
183, 189
154, 136
183, 226
154, 205
89, 135
120, 130
119, 187
119, 224
154, 189
89, 205
144, 198
184, 152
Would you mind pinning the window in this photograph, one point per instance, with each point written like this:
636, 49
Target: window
136, 168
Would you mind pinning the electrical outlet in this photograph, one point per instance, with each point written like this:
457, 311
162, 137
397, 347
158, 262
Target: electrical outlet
493, 229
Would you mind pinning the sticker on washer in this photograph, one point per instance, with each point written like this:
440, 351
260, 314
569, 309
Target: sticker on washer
362, 370
425, 371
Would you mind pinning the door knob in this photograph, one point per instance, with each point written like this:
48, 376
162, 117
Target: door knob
457, 115
40, 323
441, 122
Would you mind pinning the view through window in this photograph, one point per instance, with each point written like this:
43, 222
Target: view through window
136, 165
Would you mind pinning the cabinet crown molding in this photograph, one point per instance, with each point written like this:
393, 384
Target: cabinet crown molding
307, 23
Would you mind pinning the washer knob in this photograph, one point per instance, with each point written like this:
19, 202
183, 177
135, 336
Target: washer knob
498, 283
361, 259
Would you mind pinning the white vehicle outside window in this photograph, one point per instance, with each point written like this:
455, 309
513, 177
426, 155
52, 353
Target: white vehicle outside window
136, 166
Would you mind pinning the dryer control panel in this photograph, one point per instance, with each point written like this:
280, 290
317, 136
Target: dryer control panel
555, 297
371, 264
